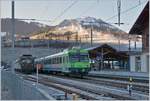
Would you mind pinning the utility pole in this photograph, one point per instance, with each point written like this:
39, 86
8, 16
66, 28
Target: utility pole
135, 45
91, 23
129, 51
77, 37
102, 58
119, 10
13, 23
91, 35
135, 42
129, 45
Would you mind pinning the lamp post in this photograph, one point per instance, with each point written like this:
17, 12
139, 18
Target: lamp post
129, 38
129, 50
13, 23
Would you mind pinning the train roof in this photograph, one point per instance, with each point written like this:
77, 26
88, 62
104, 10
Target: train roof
49, 56
26, 55
62, 53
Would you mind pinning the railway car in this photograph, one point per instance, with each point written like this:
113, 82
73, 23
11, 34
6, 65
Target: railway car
71, 61
26, 64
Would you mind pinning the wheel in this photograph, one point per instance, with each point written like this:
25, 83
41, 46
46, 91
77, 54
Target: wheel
66, 74
81, 76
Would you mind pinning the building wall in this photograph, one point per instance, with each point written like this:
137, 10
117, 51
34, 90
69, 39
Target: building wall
139, 66
132, 63
145, 62
145, 37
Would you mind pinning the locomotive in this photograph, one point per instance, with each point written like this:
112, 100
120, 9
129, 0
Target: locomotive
26, 63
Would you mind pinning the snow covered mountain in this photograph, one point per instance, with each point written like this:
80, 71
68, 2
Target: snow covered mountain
101, 31
89, 22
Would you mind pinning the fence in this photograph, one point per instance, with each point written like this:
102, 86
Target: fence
14, 87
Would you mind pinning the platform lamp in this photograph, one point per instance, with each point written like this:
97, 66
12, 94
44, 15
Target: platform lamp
129, 39
129, 50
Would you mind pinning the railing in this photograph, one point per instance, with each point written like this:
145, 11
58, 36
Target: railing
14, 87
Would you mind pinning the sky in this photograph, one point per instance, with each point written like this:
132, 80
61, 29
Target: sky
49, 10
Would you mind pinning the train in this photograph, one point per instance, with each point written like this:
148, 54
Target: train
70, 61
26, 64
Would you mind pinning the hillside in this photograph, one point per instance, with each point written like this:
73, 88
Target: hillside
22, 27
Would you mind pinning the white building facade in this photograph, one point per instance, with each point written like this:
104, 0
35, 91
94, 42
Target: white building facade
139, 62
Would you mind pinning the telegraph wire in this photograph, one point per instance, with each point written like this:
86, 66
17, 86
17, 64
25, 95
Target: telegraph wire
88, 9
65, 10
127, 10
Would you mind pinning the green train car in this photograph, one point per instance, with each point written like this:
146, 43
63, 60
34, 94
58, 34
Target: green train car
71, 61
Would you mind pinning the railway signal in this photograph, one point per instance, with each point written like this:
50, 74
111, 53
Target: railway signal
130, 86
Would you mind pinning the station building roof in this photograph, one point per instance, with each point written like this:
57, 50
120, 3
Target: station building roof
116, 47
108, 52
141, 21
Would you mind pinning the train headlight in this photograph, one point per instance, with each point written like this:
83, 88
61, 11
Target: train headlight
83, 70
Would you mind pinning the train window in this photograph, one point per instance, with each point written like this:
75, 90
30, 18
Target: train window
44, 61
52, 61
49, 61
60, 59
64, 59
55, 60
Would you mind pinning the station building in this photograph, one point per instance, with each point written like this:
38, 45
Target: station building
109, 57
139, 62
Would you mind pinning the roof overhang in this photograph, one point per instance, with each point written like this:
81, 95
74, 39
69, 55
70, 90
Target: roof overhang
141, 21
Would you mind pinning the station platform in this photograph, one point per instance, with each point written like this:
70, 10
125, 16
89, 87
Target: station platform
121, 74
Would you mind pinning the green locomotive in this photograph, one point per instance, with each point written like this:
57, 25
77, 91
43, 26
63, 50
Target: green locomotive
71, 61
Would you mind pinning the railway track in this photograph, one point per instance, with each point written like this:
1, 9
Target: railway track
82, 93
91, 88
138, 87
142, 88
87, 88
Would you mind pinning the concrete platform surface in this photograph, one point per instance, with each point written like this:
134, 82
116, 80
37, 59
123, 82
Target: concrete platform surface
125, 74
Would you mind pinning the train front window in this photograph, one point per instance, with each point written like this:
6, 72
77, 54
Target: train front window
26, 61
79, 57
74, 58
84, 58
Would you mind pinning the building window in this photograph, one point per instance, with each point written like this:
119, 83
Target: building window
147, 63
137, 63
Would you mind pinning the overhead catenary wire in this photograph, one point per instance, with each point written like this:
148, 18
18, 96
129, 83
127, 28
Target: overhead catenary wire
88, 9
65, 10
127, 10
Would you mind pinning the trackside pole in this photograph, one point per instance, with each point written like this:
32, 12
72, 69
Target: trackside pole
130, 86
37, 74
